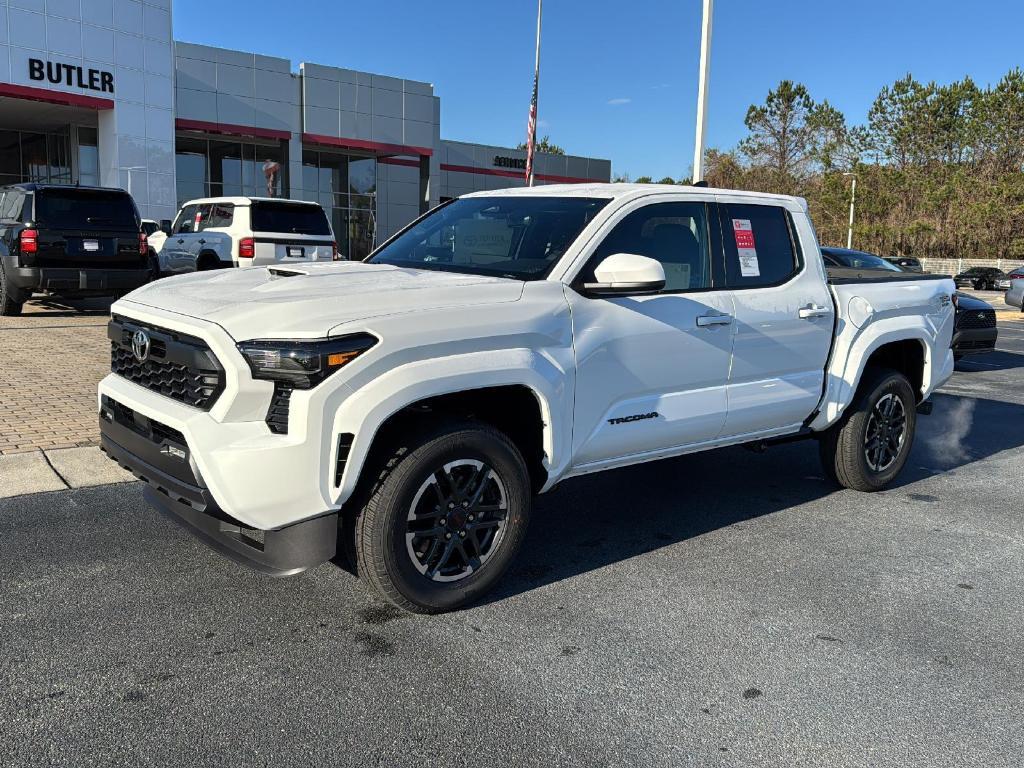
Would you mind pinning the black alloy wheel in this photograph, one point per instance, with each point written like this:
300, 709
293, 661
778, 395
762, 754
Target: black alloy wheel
885, 434
456, 520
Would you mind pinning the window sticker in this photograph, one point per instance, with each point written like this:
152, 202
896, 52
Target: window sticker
745, 248
482, 241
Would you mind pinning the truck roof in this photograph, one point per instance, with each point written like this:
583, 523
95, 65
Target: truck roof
246, 200
619, 191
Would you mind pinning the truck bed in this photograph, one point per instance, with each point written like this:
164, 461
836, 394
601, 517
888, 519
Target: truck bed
850, 276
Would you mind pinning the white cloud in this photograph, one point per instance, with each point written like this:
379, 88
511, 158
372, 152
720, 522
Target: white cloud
618, 102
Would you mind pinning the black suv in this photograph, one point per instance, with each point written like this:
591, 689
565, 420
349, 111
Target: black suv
70, 242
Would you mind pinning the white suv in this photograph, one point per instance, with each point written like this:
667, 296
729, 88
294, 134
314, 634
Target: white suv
246, 231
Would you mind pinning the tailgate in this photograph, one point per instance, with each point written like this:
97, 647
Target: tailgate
87, 249
293, 250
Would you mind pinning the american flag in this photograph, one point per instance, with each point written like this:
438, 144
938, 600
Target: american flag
531, 133
531, 126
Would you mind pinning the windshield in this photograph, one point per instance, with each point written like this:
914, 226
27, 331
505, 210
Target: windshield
516, 237
294, 218
85, 209
859, 260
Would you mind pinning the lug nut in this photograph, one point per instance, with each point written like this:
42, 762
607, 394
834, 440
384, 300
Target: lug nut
451, 505
462, 534
471, 518
465, 504
448, 535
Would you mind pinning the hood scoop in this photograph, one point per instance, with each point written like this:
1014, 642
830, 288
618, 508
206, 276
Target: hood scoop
278, 272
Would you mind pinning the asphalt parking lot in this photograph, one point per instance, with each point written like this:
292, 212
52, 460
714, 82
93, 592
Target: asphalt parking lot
727, 608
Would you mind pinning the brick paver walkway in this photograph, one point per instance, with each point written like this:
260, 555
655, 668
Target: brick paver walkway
51, 359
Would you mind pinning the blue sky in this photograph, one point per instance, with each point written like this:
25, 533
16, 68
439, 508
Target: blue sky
619, 79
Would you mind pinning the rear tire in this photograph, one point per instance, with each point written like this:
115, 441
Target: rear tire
154, 267
445, 519
11, 300
868, 447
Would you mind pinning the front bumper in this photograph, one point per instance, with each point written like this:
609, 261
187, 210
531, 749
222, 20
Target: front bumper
970, 341
72, 281
159, 456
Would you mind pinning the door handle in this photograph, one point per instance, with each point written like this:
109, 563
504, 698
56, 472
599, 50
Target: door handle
813, 310
182, 240
202, 242
704, 321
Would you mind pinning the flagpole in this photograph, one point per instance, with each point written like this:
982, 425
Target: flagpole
531, 138
702, 92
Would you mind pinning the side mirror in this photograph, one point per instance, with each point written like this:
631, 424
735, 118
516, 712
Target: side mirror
165, 226
626, 273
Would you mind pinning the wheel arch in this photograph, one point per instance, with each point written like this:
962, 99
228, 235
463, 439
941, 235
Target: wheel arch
908, 350
531, 404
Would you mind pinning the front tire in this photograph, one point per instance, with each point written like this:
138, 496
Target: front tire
868, 447
446, 520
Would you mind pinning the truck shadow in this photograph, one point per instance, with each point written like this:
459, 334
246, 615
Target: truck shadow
991, 361
48, 307
591, 522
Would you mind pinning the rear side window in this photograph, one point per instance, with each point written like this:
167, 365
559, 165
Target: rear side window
85, 209
11, 206
293, 218
759, 246
219, 215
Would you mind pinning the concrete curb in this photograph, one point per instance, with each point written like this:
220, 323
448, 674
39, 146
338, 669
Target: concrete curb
57, 470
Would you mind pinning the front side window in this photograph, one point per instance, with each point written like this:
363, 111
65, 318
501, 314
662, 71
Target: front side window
675, 234
186, 220
759, 246
517, 237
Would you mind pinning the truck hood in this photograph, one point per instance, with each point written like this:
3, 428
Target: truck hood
310, 301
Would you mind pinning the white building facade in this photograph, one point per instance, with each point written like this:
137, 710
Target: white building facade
97, 92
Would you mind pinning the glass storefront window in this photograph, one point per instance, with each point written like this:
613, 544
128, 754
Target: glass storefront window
214, 168
88, 157
59, 162
37, 157
10, 157
346, 187
33, 157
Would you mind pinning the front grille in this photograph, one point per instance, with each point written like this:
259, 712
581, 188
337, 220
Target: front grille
976, 318
180, 367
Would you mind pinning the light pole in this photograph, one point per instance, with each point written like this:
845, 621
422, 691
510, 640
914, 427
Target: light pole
853, 201
702, 91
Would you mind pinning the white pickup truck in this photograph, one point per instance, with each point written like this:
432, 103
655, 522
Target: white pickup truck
407, 408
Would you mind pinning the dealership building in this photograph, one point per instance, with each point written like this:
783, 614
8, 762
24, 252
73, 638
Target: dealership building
98, 92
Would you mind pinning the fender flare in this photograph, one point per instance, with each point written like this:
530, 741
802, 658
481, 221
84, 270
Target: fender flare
843, 384
362, 413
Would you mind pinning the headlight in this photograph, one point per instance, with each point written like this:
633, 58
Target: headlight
303, 364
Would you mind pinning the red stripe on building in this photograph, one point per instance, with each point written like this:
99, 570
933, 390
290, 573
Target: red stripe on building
373, 146
519, 175
230, 129
54, 97
399, 161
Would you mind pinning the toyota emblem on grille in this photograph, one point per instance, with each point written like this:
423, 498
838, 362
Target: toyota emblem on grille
981, 315
140, 345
